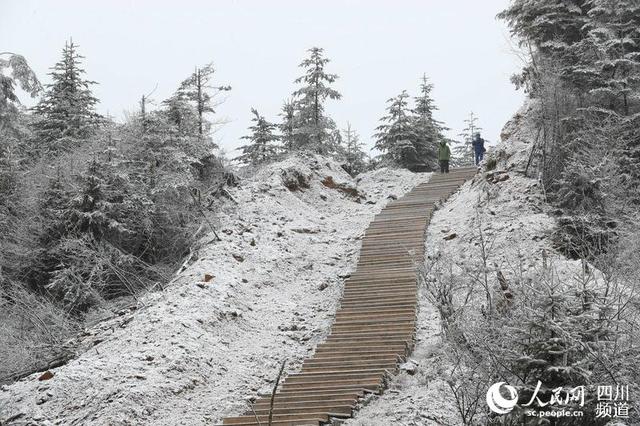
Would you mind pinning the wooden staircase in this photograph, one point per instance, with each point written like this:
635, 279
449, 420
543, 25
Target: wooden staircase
375, 325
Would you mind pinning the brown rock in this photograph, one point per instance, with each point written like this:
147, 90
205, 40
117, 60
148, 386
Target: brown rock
46, 375
330, 183
450, 237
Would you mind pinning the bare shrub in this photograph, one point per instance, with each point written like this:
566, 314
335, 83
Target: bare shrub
33, 331
440, 284
468, 384
584, 237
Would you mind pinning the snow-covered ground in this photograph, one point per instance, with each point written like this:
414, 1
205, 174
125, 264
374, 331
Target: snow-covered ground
199, 350
512, 215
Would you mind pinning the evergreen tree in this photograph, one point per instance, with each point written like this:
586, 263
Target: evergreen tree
396, 136
170, 148
585, 72
181, 115
197, 89
589, 45
89, 251
17, 71
94, 209
145, 101
613, 32
429, 131
560, 326
288, 125
7, 177
161, 167
355, 159
89, 208
260, 148
334, 142
52, 206
546, 24
313, 128
67, 110
177, 138
463, 151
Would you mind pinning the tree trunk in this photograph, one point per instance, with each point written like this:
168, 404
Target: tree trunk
200, 101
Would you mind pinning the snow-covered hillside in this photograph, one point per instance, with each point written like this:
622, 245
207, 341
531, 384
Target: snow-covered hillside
509, 209
200, 350
214, 338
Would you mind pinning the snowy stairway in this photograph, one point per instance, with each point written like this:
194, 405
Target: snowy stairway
375, 325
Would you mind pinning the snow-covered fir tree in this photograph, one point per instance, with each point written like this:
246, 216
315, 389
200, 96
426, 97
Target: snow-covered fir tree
66, 113
613, 36
355, 159
428, 130
14, 70
198, 90
584, 68
463, 150
396, 136
168, 146
178, 136
52, 206
181, 114
287, 125
313, 127
93, 210
260, 148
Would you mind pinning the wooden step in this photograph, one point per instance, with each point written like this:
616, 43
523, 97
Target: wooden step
313, 396
251, 420
333, 356
371, 385
334, 410
390, 365
321, 403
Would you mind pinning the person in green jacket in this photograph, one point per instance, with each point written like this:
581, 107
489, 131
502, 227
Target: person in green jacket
444, 154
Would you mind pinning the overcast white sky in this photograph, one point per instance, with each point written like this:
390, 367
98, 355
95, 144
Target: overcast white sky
378, 48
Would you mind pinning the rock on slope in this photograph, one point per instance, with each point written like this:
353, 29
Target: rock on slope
198, 350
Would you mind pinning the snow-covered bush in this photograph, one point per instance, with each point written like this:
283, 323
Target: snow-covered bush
554, 327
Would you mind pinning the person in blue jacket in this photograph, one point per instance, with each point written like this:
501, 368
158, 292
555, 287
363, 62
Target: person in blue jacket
478, 148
